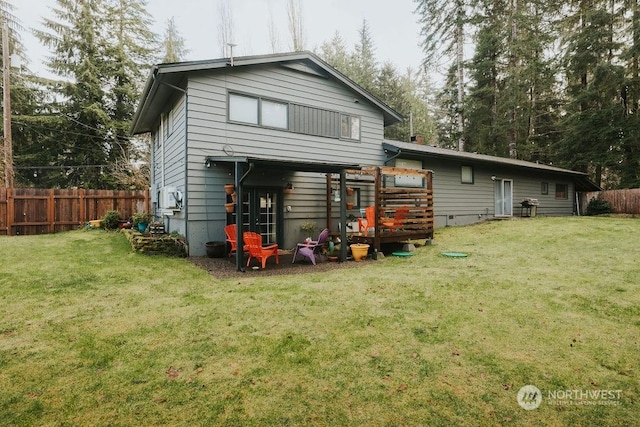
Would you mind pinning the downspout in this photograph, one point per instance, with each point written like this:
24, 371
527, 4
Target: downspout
239, 180
386, 162
395, 156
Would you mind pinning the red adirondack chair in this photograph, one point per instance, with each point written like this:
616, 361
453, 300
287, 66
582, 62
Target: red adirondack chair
253, 244
230, 232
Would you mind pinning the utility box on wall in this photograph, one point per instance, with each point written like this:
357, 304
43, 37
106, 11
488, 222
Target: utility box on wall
170, 199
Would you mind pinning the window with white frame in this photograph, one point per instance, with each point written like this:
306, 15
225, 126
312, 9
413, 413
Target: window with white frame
350, 127
274, 114
243, 109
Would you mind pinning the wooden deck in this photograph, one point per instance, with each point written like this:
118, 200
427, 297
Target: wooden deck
401, 212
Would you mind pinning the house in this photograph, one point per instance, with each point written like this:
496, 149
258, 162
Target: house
265, 124
470, 187
286, 132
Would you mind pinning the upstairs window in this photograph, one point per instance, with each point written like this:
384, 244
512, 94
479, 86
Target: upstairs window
271, 113
243, 109
350, 127
257, 111
274, 114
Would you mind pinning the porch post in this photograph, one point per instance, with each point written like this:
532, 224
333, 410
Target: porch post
239, 240
343, 216
376, 202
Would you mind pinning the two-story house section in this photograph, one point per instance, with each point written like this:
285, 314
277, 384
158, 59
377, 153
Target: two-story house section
272, 123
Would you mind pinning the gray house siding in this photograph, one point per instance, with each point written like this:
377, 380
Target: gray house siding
457, 203
210, 132
169, 162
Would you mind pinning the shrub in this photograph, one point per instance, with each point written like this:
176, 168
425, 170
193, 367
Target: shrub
598, 207
111, 220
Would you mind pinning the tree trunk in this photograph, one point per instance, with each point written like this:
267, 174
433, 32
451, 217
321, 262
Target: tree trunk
460, 71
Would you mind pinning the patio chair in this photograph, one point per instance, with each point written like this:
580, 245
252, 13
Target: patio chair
230, 232
253, 243
369, 221
397, 221
312, 248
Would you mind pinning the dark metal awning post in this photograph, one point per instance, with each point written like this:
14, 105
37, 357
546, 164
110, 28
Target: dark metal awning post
238, 208
343, 216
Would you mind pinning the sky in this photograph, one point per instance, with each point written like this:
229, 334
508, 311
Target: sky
392, 23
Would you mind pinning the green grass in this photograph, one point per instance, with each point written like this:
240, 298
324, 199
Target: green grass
93, 334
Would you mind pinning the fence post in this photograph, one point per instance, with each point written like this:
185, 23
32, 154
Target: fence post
10, 211
51, 211
147, 200
83, 209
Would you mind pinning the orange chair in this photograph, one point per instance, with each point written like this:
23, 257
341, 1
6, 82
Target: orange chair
397, 219
230, 232
253, 243
370, 222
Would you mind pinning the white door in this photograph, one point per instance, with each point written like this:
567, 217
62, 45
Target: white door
503, 191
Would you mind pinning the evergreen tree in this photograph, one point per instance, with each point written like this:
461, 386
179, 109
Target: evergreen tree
593, 125
447, 125
443, 29
334, 52
485, 133
130, 51
363, 60
100, 51
630, 142
32, 124
173, 43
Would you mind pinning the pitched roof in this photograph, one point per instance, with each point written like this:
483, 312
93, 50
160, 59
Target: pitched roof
165, 79
581, 179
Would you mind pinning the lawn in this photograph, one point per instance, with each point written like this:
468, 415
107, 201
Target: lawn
93, 334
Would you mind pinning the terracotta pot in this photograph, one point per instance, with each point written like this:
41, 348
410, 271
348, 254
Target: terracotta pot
229, 207
349, 205
349, 191
233, 197
229, 188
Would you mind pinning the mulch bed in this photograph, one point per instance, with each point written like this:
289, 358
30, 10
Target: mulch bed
223, 268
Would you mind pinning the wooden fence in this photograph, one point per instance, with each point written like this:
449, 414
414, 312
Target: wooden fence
625, 201
41, 211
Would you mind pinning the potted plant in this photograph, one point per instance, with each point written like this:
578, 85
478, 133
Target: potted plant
309, 228
141, 220
333, 252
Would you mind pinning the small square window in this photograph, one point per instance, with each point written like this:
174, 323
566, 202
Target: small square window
562, 191
544, 188
466, 174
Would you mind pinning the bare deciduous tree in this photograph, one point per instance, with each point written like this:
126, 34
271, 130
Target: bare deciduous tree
296, 29
225, 27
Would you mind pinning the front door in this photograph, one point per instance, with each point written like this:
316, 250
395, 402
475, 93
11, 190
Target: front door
503, 191
262, 213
